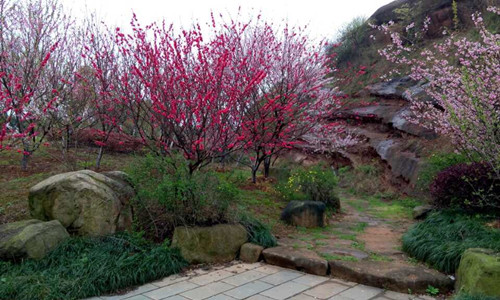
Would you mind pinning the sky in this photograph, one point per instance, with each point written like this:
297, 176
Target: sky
323, 17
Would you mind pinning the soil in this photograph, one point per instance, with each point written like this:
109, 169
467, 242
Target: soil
355, 234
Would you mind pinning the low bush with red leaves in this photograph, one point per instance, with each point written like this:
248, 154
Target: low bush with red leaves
473, 187
116, 142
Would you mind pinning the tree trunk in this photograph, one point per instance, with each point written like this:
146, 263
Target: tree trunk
254, 174
267, 166
24, 160
99, 157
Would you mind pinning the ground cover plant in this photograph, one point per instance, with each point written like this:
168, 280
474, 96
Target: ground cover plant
84, 267
441, 239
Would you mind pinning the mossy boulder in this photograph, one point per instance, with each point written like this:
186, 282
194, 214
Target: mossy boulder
30, 238
479, 273
85, 202
308, 214
214, 244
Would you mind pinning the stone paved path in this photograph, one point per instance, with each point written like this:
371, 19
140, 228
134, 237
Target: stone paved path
256, 282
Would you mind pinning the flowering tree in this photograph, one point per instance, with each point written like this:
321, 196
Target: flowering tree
291, 100
465, 87
101, 85
183, 92
31, 34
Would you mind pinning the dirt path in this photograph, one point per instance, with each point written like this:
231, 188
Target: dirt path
365, 230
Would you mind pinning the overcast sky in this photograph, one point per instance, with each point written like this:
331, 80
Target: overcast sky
323, 17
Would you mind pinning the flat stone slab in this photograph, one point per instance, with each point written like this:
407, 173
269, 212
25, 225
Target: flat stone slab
394, 276
298, 259
343, 252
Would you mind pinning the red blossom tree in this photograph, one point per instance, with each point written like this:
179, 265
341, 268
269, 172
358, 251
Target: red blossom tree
291, 100
106, 105
184, 91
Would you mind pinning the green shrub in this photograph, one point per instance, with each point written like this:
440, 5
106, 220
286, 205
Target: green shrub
435, 164
258, 232
87, 267
167, 195
317, 183
443, 237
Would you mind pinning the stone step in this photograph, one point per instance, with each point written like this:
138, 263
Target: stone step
303, 260
396, 276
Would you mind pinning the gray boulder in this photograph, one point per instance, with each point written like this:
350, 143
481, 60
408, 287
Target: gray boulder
308, 214
421, 212
214, 244
85, 202
30, 238
250, 253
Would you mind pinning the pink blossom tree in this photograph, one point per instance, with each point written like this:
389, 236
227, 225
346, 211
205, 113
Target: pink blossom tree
464, 82
32, 34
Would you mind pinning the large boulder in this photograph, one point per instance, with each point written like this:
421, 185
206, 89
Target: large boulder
85, 202
30, 238
479, 272
308, 214
214, 244
298, 259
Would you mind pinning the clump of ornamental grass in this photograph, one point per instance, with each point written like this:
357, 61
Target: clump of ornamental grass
85, 267
444, 236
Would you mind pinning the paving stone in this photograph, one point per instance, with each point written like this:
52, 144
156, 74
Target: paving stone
170, 280
268, 269
302, 297
248, 289
139, 297
361, 292
285, 290
176, 297
171, 290
326, 290
221, 297
206, 291
211, 277
310, 280
245, 277
259, 297
338, 297
142, 289
242, 267
398, 296
281, 277
381, 298
344, 282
